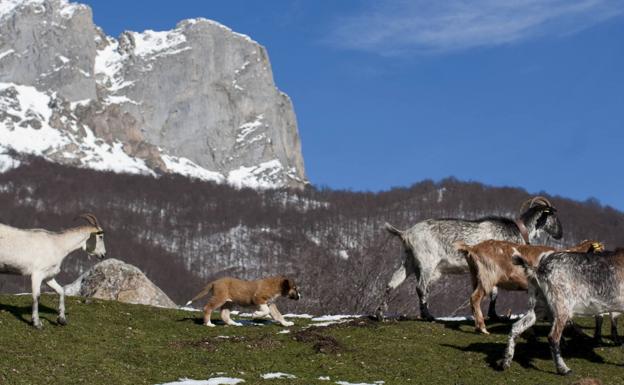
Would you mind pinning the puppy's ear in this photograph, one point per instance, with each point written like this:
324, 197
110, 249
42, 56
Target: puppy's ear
287, 284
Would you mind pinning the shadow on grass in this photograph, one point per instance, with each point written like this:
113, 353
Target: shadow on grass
498, 327
526, 352
24, 313
218, 322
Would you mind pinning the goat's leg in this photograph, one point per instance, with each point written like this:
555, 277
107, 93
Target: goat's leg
492, 315
614, 333
276, 315
520, 327
475, 304
61, 292
225, 315
398, 277
598, 329
422, 288
561, 318
35, 281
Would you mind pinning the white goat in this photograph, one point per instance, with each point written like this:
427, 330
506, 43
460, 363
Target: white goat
39, 253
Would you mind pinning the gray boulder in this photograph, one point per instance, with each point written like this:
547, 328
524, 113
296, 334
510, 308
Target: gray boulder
113, 279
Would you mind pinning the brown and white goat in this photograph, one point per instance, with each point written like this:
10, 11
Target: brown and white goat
490, 264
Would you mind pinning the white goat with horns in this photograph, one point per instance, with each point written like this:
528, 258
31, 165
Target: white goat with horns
39, 253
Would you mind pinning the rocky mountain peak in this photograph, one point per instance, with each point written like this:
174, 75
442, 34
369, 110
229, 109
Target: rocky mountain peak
198, 100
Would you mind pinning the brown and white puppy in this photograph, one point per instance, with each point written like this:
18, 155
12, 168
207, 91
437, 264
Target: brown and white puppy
260, 293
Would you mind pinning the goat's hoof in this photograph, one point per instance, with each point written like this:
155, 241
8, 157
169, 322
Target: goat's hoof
503, 364
211, 325
564, 372
498, 318
482, 331
38, 325
378, 315
61, 321
287, 323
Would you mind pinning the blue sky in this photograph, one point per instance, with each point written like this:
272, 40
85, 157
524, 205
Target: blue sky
521, 93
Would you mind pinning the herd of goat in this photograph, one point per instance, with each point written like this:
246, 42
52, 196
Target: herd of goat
499, 253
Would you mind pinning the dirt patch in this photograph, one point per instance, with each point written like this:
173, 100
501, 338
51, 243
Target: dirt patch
587, 381
212, 344
320, 343
362, 323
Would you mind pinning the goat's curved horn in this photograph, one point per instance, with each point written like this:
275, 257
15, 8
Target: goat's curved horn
532, 202
89, 218
540, 200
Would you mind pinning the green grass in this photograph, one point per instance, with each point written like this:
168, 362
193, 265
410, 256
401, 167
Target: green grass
113, 343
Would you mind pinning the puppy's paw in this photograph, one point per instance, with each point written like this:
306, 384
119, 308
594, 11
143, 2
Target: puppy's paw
287, 323
235, 323
210, 325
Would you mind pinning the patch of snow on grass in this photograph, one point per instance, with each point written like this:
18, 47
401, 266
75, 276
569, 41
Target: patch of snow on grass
290, 315
359, 383
454, 319
336, 317
276, 375
471, 318
210, 381
327, 320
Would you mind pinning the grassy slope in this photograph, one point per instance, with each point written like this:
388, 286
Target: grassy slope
114, 343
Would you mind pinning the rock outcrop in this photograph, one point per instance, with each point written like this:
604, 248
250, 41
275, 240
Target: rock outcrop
113, 279
198, 100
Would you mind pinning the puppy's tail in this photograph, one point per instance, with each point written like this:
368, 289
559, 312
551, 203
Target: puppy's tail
201, 294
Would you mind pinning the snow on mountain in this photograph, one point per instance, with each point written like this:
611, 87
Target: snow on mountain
25, 127
198, 100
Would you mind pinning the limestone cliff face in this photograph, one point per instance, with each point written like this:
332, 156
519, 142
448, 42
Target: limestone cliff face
199, 100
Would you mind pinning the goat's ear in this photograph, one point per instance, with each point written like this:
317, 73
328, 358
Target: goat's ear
518, 261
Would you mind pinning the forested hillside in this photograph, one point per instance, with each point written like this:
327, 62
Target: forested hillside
184, 232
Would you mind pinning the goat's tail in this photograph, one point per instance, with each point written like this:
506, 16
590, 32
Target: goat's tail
461, 246
394, 231
201, 294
